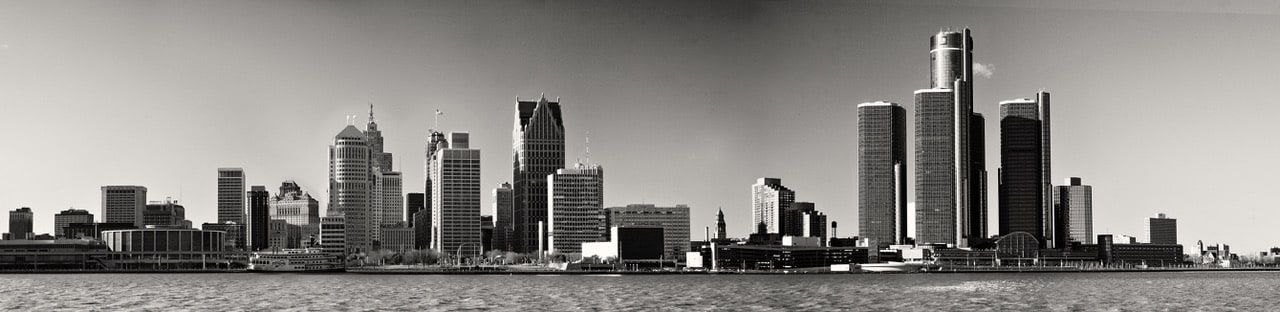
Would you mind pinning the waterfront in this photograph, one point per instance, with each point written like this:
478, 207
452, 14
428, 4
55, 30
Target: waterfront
910, 292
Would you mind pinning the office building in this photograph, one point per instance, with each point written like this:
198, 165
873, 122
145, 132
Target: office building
575, 201
231, 188
296, 207
455, 212
388, 200
234, 238
379, 159
813, 223
674, 222
537, 151
165, 213
21, 222
281, 234
486, 233
1073, 204
949, 197
436, 141
333, 234
257, 219
67, 217
882, 172
503, 215
1024, 175
770, 204
396, 236
123, 204
350, 187
414, 202
1163, 230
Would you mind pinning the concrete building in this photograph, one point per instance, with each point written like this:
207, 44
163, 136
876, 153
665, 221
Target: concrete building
503, 215
21, 223
388, 200
575, 200
123, 204
1073, 205
333, 234
257, 219
1162, 230
1025, 190
67, 217
537, 151
674, 222
281, 234
231, 188
296, 207
770, 204
882, 172
949, 193
396, 236
455, 212
165, 213
350, 187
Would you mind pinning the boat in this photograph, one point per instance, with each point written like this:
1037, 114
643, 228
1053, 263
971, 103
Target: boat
900, 267
296, 260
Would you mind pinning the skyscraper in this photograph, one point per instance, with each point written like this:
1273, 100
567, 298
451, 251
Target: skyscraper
770, 204
721, 232
67, 217
882, 172
350, 188
537, 151
231, 182
123, 204
386, 200
978, 177
389, 204
422, 229
414, 202
575, 203
1163, 230
379, 159
503, 215
21, 222
1073, 204
1023, 169
455, 205
296, 207
257, 218
945, 192
810, 221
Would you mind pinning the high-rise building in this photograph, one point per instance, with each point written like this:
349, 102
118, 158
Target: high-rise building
810, 221
946, 196
674, 222
350, 187
503, 214
231, 188
1162, 230
422, 229
978, 173
379, 159
333, 234
721, 231
21, 224
296, 207
455, 203
414, 202
165, 213
1073, 206
123, 204
1024, 131
257, 218
882, 172
389, 199
537, 151
66, 218
575, 201
770, 206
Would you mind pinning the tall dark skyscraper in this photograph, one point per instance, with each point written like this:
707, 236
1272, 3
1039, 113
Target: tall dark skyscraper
1025, 202
882, 172
258, 218
503, 214
946, 197
537, 151
414, 203
977, 176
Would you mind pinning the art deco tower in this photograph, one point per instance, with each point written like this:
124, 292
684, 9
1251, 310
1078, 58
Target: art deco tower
882, 172
537, 151
947, 194
350, 187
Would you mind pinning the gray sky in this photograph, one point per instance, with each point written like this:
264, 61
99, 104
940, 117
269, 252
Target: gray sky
1161, 106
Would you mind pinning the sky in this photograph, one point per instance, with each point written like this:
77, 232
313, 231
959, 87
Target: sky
1161, 106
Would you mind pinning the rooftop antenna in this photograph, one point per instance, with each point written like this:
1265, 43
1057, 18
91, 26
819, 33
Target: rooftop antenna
371, 112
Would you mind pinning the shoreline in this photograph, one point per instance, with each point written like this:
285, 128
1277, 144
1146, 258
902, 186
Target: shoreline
555, 273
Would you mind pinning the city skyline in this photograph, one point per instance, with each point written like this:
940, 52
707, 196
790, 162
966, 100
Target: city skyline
85, 92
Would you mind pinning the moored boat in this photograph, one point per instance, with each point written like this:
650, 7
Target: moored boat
296, 260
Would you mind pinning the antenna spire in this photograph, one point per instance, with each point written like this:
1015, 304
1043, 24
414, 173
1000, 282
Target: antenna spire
370, 112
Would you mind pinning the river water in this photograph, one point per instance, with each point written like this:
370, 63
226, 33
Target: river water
1245, 291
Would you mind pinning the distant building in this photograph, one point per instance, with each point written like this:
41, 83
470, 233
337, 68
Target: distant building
637, 244
333, 234
231, 188
350, 188
397, 236
455, 213
813, 223
503, 216
21, 224
721, 232
882, 172
1163, 230
123, 204
575, 200
1073, 204
257, 219
422, 221
770, 202
414, 203
234, 238
1024, 169
486, 233
296, 207
388, 200
163, 246
67, 217
674, 222
166, 213
281, 234
537, 151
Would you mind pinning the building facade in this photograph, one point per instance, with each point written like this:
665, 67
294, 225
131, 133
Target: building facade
503, 215
770, 205
537, 151
166, 213
414, 203
333, 234
234, 234
945, 169
882, 172
1162, 230
674, 222
388, 200
396, 237
123, 204
21, 224
1073, 204
813, 223
455, 205
258, 219
67, 217
231, 188
350, 187
296, 207
575, 201
281, 234
1024, 130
